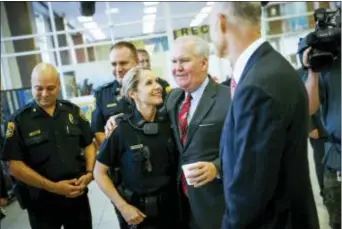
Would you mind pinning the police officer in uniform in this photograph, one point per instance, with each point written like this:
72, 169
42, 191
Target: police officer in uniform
143, 150
49, 146
123, 57
108, 102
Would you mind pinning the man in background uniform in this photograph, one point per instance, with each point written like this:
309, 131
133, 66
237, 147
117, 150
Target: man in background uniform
43, 145
145, 63
123, 57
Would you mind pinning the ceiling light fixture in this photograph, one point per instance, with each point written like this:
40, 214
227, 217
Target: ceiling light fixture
151, 3
112, 11
201, 16
150, 10
90, 25
148, 27
98, 34
206, 9
83, 19
149, 17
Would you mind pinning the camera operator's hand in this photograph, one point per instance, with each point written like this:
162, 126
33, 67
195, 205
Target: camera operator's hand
306, 57
306, 62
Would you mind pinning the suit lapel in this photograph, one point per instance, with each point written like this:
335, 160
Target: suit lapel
174, 117
204, 106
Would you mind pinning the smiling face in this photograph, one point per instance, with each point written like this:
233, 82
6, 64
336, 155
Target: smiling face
45, 86
122, 60
188, 68
148, 92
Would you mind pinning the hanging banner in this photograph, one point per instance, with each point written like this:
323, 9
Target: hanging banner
201, 31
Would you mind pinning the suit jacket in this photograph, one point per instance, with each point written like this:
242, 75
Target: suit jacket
264, 149
203, 140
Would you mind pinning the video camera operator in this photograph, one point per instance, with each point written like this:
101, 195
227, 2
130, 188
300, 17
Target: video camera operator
320, 54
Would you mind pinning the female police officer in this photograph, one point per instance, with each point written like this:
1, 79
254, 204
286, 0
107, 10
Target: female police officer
142, 149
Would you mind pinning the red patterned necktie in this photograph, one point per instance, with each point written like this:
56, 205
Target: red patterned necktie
233, 86
183, 124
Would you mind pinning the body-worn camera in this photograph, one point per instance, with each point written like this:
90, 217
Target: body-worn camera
325, 40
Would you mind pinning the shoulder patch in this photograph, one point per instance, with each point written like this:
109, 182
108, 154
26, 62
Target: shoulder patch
168, 89
83, 116
10, 129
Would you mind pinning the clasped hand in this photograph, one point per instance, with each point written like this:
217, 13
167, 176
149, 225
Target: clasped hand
72, 188
201, 173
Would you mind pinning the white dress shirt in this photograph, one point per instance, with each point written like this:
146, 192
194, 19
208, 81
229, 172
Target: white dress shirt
244, 57
196, 97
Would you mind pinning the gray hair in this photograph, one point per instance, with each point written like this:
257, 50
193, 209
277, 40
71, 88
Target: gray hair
130, 82
201, 47
244, 13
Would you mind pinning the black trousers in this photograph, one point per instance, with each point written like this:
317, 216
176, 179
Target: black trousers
318, 153
167, 217
54, 212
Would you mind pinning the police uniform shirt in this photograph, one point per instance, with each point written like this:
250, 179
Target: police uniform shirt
125, 152
108, 102
330, 97
50, 145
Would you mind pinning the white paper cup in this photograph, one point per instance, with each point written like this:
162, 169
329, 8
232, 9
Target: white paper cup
186, 172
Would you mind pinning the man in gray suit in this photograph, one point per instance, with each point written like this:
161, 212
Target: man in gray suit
264, 141
197, 111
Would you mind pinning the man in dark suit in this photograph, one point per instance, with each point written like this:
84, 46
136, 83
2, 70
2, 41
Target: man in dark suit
197, 111
264, 140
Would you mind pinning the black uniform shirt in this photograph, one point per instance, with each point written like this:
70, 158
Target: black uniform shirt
51, 145
108, 103
125, 150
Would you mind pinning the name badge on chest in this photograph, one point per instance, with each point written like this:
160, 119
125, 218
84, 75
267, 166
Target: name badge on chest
34, 133
110, 105
139, 146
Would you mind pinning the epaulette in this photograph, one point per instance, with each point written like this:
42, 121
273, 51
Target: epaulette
67, 103
27, 107
105, 86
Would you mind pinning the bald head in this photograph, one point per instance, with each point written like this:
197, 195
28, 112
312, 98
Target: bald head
45, 84
44, 70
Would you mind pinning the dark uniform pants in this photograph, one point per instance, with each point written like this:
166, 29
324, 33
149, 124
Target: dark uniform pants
332, 198
166, 218
54, 212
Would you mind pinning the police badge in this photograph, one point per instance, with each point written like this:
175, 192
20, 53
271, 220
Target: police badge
10, 129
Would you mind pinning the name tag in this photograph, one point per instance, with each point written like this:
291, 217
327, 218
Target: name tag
34, 133
137, 147
111, 105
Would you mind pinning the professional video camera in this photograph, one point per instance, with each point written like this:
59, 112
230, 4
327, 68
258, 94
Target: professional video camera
325, 40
